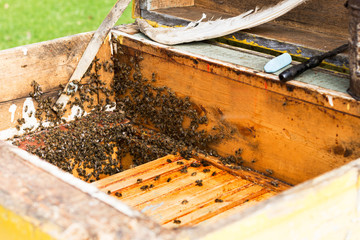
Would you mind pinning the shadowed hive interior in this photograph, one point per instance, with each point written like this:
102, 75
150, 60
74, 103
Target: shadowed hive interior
164, 141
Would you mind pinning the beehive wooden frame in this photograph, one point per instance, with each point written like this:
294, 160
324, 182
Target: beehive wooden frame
43, 204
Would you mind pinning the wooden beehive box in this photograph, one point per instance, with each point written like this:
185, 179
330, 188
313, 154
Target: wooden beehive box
301, 138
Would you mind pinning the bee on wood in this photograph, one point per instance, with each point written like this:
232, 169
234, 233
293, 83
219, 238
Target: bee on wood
195, 164
184, 201
218, 200
184, 169
205, 163
139, 180
168, 180
193, 174
206, 170
198, 183
143, 188
177, 221
274, 183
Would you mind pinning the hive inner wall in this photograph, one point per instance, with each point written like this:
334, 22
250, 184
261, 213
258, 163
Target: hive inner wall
272, 127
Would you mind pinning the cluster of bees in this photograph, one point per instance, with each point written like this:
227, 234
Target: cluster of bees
146, 122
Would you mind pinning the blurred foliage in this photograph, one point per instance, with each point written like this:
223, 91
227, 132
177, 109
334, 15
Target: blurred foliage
28, 21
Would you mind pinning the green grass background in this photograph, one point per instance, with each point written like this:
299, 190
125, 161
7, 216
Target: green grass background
28, 21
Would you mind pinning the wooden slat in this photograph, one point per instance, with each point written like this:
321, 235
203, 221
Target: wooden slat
211, 209
238, 209
125, 179
195, 195
163, 201
49, 63
8, 120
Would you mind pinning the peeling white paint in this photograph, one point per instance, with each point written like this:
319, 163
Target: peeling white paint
8, 133
76, 111
72, 85
108, 107
29, 121
32, 122
330, 99
24, 50
111, 44
12, 110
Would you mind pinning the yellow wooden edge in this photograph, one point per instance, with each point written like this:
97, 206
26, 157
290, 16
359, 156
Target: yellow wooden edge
253, 44
133, 10
156, 24
15, 227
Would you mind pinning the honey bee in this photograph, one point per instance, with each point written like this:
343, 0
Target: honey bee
143, 188
177, 221
198, 183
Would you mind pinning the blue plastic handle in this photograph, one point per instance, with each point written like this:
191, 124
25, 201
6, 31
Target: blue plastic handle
277, 63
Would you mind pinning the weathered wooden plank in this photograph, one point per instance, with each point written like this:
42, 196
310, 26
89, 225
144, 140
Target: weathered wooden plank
169, 191
125, 179
272, 119
211, 209
13, 109
238, 209
49, 63
194, 195
64, 207
158, 4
